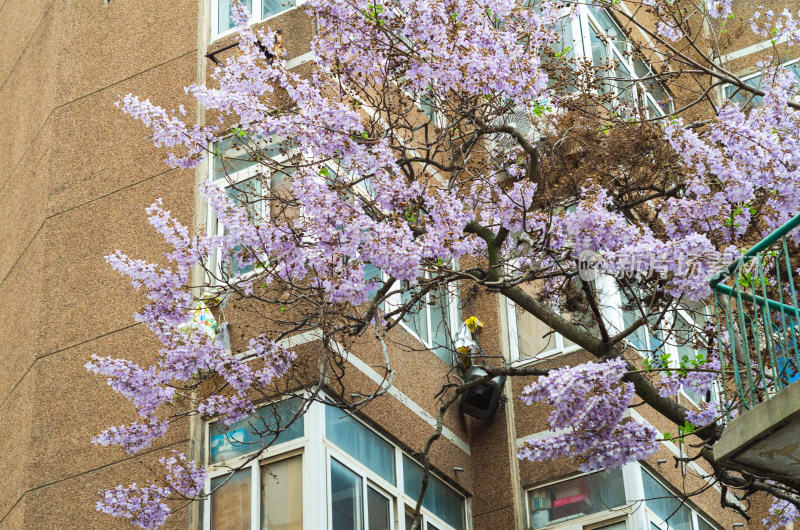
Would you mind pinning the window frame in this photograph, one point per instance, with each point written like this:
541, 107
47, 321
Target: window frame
668, 345
230, 179
317, 451
653, 519
755, 102
214, 18
452, 316
590, 521
630, 512
512, 325
588, 22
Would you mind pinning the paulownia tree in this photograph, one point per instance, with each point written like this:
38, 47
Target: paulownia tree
405, 176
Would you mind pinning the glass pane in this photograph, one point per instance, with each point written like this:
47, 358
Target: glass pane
282, 495
431, 526
703, 525
247, 193
378, 514
665, 504
684, 338
577, 497
360, 442
234, 154
230, 504
610, 28
599, 52
653, 526
256, 432
417, 317
409, 520
225, 22
345, 498
373, 273
426, 104
534, 336
273, 7
565, 47
624, 84
439, 498
440, 325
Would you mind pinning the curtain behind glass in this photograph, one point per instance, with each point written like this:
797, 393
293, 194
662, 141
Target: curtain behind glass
282, 495
230, 504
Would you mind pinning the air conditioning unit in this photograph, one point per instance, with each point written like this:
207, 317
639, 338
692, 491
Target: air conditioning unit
520, 120
481, 401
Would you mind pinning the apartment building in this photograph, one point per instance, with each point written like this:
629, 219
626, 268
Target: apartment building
75, 178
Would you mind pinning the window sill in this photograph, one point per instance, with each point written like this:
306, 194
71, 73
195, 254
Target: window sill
227, 33
545, 356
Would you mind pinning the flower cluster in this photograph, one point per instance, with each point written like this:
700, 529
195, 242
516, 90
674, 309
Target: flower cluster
146, 506
782, 513
589, 402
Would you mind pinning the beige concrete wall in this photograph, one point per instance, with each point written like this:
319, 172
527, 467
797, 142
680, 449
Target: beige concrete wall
75, 177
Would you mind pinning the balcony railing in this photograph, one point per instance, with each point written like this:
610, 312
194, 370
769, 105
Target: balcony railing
758, 314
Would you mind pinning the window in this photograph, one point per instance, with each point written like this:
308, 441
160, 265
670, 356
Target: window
664, 509
612, 500
677, 336
646, 339
247, 183
327, 470
578, 497
529, 338
594, 34
259, 10
754, 80
431, 320
428, 106
266, 493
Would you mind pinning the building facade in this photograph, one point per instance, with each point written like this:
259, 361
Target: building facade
75, 179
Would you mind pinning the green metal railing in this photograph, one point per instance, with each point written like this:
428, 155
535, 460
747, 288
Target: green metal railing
758, 312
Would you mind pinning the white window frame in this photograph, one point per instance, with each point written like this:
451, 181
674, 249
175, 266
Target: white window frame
759, 73
652, 518
316, 451
675, 360
583, 24
394, 301
228, 180
595, 520
256, 8
513, 340
630, 512
614, 317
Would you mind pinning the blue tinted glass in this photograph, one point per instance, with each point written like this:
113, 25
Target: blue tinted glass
256, 432
360, 442
238, 154
247, 193
417, 316
440, 499
665, 504
273, 7
225, 22
346, 498
371, 272
440, 326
